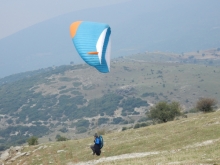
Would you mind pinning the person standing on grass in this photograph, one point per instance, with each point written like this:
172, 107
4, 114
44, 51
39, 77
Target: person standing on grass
96, 147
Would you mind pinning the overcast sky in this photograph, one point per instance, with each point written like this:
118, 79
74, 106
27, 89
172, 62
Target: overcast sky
16, 15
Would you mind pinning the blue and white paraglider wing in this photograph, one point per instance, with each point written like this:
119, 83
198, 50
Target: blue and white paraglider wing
92, 42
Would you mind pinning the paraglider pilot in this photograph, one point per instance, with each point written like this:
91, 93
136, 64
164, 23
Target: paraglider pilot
96, 147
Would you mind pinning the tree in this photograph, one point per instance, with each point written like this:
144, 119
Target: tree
206, 104
163, 111
32, 141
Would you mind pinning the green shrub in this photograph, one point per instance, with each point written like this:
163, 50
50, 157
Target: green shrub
136, 126
206, 104
32, 141
144, 124
124, 128
163, 111
61, 138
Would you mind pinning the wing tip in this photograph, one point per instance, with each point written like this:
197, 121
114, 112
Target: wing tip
73, 28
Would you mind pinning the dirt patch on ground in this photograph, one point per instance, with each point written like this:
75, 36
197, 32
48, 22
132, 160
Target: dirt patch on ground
113, 158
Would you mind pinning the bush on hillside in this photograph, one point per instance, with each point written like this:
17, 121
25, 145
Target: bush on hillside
163, 111
139, 125
101, 132
206, 104
64, 130
81, 129
126, 128
61, 138
147, 94
32, 141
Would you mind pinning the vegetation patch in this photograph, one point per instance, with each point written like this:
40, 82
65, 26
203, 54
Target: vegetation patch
65, 79
117, 120
77, 84
149, 94
81, 129
106, 104
17, 135
163, 111
130, 103
103, 121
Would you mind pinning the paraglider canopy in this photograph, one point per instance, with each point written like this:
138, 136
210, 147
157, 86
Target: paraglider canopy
92, 42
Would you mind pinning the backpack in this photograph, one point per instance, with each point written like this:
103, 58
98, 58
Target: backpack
101, 141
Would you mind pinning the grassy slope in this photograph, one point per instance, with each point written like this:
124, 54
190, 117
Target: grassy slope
193, 140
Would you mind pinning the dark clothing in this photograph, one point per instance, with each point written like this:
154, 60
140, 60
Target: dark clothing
96, 149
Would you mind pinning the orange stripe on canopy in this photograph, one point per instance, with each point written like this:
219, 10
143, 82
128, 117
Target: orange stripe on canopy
73, 28
93, 53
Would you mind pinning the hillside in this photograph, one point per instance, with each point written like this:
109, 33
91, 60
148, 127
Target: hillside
192, 140
75, 100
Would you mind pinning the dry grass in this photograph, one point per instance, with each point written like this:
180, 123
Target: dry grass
194, 140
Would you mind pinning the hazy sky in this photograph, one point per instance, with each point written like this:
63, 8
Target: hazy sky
16, 15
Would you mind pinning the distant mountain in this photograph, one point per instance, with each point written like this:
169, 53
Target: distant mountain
137, 26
